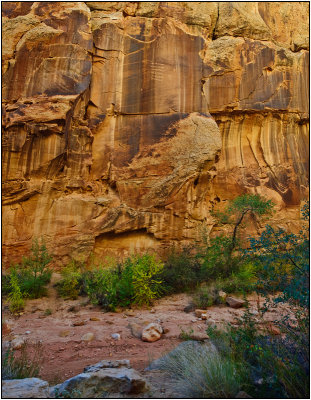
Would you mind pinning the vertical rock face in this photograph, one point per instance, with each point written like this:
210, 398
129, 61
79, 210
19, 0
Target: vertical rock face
126, 123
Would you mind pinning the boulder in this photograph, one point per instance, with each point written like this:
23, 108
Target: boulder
29, 388
104, 377
136, 329
152, 332
234, 302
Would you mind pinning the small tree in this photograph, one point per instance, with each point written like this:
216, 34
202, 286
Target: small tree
238, 208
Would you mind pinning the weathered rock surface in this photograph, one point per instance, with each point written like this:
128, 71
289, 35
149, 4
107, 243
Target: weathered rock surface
29, 388
126, 123
152, 332
102, 378
234, 302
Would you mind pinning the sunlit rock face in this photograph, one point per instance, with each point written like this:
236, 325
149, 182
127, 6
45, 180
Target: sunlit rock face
125, 123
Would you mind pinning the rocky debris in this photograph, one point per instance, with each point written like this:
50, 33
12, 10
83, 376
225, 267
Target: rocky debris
136, 329
108, 364
211, 322
129, 313
116, 336
189, 308
64, 333
29, 388
88, 337
199, 336
94, 319
204, 316
152, 332
17, 343
78, 323
104, 377
222, 296
234, 302
273, 329
199, 312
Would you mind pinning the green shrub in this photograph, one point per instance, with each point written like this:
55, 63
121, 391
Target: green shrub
71, 283
206, 296
100, 286
25, 365
33, 273
134, 282
146, 285
15, 295
200, 372
181, 271
216, 259
242, 281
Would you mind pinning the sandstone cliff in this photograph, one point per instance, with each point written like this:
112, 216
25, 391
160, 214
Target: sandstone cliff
126, 123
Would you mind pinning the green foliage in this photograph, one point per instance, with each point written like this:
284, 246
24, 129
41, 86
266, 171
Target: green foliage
25, 365
242, 281
285, 257
249, 203
134, 282
100, 286
145, 284
278, 367
181, 271
15, 295
206, 296
216, 259
238, 208
184, 335
70, 285
202, 373
33, 273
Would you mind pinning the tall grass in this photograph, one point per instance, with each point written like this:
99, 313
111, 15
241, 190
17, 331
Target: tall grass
200, 372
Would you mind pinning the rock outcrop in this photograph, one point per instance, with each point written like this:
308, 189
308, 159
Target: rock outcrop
126, 123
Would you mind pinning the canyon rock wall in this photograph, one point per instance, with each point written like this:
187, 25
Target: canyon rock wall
126, 123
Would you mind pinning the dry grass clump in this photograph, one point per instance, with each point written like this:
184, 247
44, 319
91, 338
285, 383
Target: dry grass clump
201, 372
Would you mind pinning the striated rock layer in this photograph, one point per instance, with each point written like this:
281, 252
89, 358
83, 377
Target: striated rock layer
126, 123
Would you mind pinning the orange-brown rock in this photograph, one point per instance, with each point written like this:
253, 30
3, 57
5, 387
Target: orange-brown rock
126, 123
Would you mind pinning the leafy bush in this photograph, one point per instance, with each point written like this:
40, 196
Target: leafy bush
23, 365
181, 271
145, 284
278, 367
15, 295
71, 283
242, 281
33, 273
206, 296
100, 286
134, 282
200, 372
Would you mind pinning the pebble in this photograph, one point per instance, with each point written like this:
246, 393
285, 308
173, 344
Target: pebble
88, 337
116, 336
27, 332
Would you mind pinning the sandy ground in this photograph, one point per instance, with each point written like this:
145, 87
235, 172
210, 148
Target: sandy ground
66, 354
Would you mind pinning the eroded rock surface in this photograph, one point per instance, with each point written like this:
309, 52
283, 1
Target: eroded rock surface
126, 123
